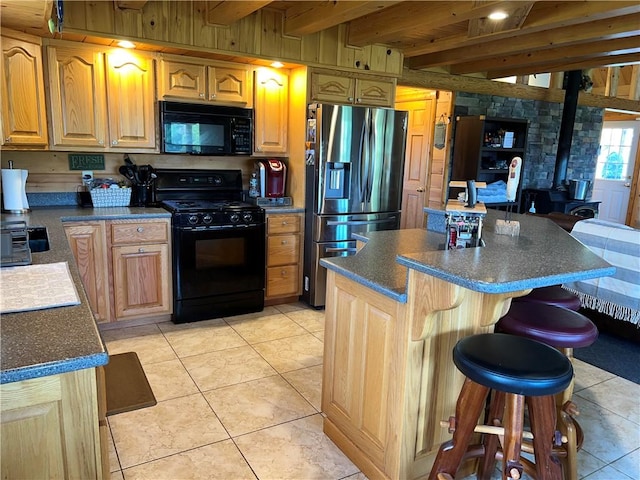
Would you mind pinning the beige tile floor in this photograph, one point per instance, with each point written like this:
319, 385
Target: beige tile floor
239, 398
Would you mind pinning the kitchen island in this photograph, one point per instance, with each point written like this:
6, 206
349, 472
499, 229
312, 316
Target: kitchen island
53, 411
395, 310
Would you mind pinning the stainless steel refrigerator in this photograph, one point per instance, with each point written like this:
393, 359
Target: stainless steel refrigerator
354, 171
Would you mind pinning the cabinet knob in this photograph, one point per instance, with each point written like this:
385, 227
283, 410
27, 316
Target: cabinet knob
100, 142
358, 100
283, 273
141, 250
284, 242
114, 142
202, 95
7, 140
350, 99
140, 229
420, 189
213, 95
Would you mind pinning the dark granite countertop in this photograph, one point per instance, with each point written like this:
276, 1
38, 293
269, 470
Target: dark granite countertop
544, 254
57, 340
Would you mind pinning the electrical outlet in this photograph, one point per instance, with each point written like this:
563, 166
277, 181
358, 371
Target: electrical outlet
87, 177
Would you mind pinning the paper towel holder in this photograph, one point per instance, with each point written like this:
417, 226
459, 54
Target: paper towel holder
14, 197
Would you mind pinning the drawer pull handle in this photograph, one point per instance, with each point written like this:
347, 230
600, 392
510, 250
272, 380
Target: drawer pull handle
285, 223
284, 242
283, 273
140, 229
141, 250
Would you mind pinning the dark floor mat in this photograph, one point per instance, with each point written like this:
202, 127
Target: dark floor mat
127, 386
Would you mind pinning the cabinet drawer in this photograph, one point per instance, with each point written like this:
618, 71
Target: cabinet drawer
282, 281
283, 224
283, 249
124, 233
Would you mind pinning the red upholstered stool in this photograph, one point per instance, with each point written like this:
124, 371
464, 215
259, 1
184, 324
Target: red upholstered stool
553, 295
563, 329
513, 369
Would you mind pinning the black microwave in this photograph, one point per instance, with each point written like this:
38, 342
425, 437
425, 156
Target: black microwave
198, 129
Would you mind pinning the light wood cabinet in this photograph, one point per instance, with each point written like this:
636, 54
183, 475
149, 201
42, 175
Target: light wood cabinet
50, 427
131, 100
284, 256
353, 90
271, 112
89, 247
24, 116
141, 266
193, 79
102, 100
125, 266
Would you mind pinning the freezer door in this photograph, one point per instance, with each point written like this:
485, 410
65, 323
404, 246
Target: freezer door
359, 160
329, 228
315, 281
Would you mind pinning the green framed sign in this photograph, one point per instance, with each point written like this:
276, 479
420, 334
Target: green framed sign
85, 161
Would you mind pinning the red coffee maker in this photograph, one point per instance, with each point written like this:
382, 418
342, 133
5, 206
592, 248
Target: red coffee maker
273, 177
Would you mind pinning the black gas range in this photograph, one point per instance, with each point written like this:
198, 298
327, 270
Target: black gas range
218, 244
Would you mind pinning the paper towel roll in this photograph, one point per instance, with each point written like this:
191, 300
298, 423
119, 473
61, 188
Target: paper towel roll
14, 192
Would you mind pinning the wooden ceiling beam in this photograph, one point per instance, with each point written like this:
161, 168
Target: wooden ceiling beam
626, 26
311, 17
229, 11
570, 64
555, 16
385, 26
596, 48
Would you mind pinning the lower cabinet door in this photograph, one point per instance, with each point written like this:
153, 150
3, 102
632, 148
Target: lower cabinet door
142, 285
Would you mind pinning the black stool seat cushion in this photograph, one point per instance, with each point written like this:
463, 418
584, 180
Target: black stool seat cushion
549, 324
513, 364
553, 295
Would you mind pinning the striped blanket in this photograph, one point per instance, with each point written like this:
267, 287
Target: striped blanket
617, 295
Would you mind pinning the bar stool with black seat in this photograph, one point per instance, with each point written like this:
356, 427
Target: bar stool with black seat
565, 330
513, 369
552, 295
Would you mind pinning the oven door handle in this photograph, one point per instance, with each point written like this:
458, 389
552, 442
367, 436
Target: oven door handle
333, 223
334, 250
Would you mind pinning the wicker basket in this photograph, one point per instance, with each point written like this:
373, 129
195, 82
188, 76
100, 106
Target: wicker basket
111, 197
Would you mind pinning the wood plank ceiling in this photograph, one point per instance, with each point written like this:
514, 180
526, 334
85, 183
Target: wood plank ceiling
449, 36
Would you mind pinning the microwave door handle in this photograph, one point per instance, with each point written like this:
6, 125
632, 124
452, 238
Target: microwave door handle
334, 223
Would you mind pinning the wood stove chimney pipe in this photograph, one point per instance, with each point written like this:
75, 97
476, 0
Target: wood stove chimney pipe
572, 87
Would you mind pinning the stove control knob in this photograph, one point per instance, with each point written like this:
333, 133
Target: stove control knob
247, 217
193, 219
207, 218
234, 217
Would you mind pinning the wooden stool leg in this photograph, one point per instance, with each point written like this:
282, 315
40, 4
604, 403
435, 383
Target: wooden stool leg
566, 395
542, 414
468, 408
491, 442
513, 427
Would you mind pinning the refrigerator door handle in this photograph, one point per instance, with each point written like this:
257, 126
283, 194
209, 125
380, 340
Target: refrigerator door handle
336, 250
333, 223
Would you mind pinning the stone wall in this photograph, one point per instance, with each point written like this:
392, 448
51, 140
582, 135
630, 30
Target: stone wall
542, 138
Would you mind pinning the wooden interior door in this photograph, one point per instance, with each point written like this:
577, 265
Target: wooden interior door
418, 152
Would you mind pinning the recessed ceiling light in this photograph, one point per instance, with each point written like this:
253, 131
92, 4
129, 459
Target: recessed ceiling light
499, 15
126, 44
277, 65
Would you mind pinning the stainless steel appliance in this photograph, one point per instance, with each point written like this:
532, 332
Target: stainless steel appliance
354, 170
218, 244
205, 129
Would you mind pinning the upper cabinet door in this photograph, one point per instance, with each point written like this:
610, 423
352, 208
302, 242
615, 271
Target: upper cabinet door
229, 85
375, 92
332, 88
182, 80
78, 103
24, 117
130, 90
271, 112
